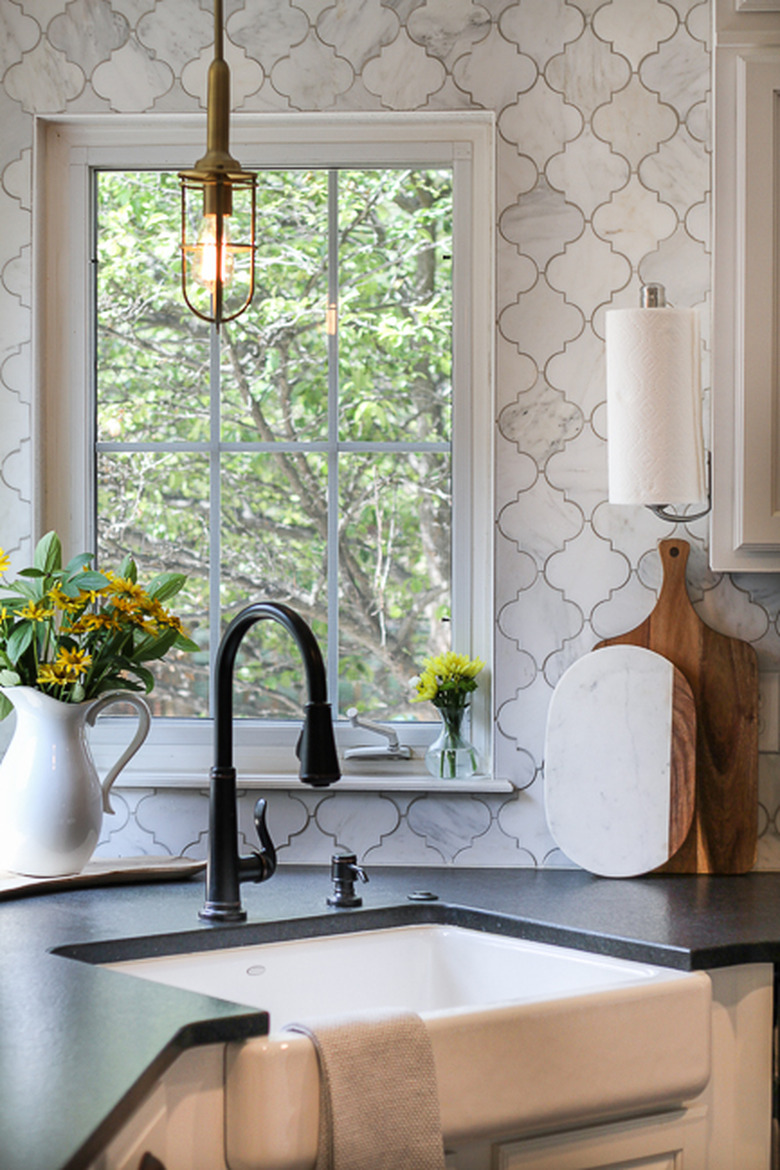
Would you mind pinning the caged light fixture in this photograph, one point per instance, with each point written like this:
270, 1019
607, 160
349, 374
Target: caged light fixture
218, 211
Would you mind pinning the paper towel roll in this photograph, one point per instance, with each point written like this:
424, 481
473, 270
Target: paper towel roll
654, 428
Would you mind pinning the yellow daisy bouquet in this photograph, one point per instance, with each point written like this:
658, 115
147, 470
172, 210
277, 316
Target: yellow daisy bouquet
447, 681
74, 632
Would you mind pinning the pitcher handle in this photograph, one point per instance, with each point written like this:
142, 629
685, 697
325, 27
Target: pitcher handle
144, 723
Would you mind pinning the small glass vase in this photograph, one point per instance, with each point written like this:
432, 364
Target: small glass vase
451, 756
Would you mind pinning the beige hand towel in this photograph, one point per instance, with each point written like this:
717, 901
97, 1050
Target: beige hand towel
379, 1106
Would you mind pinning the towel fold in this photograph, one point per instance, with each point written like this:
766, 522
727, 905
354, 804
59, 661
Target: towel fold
379, 1105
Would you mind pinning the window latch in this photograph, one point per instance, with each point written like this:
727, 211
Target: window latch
392, 750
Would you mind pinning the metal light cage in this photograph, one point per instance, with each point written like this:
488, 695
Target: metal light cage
211, 186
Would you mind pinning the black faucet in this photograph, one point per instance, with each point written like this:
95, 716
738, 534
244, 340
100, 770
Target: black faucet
316, 750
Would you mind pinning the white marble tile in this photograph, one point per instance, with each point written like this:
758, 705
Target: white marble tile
132, 79
88, 31
679, 172
540, 620
634, 220
634, 29
587, 171
588, 272
580, 470
403, 75
541, 223
728, 609
587, 72
268, 31
540, 123
16, 180
681, 68
449, 28
540, 421
587, 568
44, 81
357, 29
449, 822
539, 520
635, 122
580, 371
19, 33
312, 75
541, 322
494, 72
542, 28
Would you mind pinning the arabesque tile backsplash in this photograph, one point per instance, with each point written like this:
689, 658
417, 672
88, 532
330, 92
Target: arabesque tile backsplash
603, 182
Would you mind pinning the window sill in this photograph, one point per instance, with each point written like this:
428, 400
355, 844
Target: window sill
347, 783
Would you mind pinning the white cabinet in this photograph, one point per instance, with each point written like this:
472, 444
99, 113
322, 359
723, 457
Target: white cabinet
181, 1122
745, 533
667, 1142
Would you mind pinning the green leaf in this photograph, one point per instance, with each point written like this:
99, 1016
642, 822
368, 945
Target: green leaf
146, 677
166, 585
76, 564
154, 646
21, 637
9, 678
32, 573
6, 706
184, 643
128, 569
48, 553
90, 579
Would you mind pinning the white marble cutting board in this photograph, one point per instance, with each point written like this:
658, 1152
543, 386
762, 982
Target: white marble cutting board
620, 761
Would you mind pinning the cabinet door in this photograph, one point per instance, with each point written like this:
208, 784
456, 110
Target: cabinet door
746, 300
667, 1141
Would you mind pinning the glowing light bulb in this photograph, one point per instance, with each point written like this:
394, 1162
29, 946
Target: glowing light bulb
206, 268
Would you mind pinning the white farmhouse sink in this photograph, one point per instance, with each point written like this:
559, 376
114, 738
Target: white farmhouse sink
525, 1035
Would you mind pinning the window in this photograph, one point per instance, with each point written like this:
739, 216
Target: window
318, 398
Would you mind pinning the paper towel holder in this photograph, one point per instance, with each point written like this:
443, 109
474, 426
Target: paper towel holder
653, 296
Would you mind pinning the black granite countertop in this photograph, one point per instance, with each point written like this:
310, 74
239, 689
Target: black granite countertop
80, 1046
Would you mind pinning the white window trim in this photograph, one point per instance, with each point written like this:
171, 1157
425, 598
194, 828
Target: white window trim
178, 751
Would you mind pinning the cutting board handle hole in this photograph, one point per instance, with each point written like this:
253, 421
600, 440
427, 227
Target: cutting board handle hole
674, 551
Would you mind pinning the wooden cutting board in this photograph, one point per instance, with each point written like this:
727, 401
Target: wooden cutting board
723, 675
620, 761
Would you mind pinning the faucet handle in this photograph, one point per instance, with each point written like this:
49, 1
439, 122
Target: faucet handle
266, 854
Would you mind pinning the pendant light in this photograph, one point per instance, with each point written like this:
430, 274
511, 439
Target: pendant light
218, 211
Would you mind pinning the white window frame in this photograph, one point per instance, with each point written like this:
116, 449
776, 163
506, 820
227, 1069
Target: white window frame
66, 152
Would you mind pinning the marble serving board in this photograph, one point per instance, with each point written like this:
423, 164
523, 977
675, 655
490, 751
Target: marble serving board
723, 675
620, 761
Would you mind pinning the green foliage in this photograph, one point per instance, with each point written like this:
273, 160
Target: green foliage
75, 633
391, 360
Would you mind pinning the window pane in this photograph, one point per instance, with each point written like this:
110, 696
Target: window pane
275, 357
274, 548
395, 316
394, 558
152, 354
154, 506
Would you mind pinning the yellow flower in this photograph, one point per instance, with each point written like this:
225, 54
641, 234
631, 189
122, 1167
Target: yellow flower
50, 675
34, 611
73, 662
447, 678
5, 560
60, 600
427, 687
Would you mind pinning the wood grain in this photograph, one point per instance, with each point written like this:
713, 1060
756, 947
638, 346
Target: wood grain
723, 676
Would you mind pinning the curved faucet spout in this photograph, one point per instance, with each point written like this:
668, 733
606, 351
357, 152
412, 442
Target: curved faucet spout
316, 751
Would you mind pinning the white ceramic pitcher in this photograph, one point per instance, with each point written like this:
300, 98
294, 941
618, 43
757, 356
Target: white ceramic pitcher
51, 800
